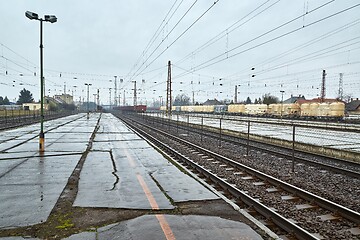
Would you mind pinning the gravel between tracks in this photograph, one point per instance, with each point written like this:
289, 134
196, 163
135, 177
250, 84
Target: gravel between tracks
338, 188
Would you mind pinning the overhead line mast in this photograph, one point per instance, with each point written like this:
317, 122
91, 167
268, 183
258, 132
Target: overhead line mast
168, 92
341, 91
323, 89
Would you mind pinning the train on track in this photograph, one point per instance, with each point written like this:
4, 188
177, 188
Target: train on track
314, 110
137, 108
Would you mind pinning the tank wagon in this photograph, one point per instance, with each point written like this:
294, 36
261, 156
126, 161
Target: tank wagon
334, 110
256, 109
284, 110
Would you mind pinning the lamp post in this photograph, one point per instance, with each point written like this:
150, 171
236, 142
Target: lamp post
282, 100
95, 101
73, 95
110, 99
115, 94
87, 104
135, 95
121, 81
52, 19
160, 100
124, 99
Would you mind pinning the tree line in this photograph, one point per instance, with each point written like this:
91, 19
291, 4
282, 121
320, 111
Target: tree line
24, 97
184, 100
4, 101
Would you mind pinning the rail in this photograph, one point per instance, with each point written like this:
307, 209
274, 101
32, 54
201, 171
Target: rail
267, 212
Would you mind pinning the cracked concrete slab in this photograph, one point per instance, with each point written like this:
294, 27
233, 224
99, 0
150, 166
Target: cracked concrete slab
30, 191
31, 185
180, 187
182, 227
99, 186
132, 158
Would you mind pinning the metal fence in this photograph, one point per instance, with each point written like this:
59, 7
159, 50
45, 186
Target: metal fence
16, 117
338, 140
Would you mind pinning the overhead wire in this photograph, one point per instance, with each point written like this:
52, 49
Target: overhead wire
260, 36
318, 69
308, 56
222, 34
157, 47
17, 64
203, 65
299, 74
156, 34
22, 65
11, 50
181, 35
301, 46
188, 71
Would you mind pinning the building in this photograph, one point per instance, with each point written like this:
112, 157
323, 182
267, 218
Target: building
294, 99
317, 100
50, 100
212, 102
65, 98
34, 106
10, 107
353, 107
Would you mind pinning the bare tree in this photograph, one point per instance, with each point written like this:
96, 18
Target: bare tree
269, 99
182, 100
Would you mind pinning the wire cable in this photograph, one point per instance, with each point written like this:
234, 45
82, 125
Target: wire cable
157, 47
203, 65
179, 36
226, 31
156, 34
299, 47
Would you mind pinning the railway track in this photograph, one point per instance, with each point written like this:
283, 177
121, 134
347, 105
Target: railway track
300, 213
20, 121
23, 141
327, 124
335, 165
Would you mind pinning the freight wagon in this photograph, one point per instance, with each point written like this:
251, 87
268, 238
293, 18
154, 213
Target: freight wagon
334, 110
137, 108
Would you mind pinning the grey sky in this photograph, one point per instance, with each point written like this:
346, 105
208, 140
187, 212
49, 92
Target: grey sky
95, 40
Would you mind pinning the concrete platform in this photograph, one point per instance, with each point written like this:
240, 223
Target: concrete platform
121, 172
30, 191
118, 173
31, 184
177, 227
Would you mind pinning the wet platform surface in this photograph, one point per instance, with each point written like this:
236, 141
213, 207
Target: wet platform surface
116, 167
121, 171
31, 184
180, 227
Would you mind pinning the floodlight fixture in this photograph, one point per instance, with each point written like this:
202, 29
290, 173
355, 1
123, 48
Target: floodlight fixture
31, 15
50, 18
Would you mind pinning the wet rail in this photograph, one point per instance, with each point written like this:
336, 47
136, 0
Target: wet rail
35, 134
311, 216
9, 122
336, 165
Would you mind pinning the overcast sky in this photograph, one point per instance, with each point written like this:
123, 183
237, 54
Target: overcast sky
93, 41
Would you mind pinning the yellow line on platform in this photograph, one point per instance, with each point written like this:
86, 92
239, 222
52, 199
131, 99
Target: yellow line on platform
160, 217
